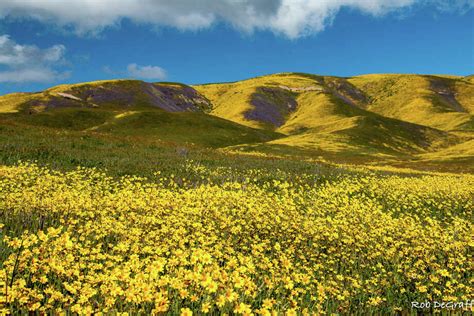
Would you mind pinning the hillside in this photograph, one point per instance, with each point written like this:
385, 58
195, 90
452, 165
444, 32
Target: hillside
171, 97
442, 102
366, 117
438, 101
406, 120
167, 111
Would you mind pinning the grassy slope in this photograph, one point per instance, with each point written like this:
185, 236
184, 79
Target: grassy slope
11, 103
333, 118
108, 94
132, 114
445, 103
193, 128
232, 100
440, 102
17, 102
120, 154
382, 118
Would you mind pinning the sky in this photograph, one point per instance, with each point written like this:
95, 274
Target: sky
48, 42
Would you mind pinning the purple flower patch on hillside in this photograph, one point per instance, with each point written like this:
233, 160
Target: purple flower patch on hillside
271, 106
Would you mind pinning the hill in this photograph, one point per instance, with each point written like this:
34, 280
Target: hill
167, 111
171, 97
403, 120
442, 102
369, 117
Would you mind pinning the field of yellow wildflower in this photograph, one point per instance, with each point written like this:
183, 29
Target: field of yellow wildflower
83, 242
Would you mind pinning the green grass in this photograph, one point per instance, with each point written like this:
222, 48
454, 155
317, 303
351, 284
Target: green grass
65, 149
194, 128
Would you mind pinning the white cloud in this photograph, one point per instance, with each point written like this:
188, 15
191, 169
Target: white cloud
13, 54
146, 72
292, 18
29, 63
32, 75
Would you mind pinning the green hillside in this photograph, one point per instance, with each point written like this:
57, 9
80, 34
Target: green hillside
403, 120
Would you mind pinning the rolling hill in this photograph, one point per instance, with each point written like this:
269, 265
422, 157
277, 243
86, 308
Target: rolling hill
167, 111
349, 119
419, 120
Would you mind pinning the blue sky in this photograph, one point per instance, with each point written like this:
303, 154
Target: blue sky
228, 40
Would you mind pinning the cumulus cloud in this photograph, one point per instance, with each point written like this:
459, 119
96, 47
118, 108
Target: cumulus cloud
29, 63
146, 72
292, 18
